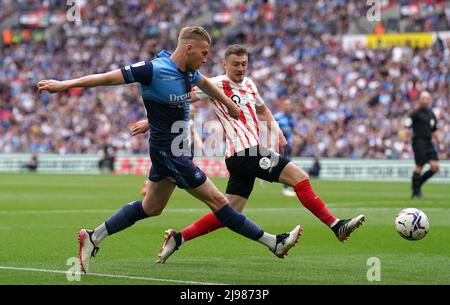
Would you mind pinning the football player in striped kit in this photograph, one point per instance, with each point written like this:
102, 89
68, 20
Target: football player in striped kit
246, 158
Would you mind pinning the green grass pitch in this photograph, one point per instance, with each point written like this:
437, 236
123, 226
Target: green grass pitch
41, 214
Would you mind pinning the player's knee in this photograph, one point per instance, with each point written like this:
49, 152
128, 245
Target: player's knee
303, 175
152, 210
218, 198
435, 168
292, 175
156, 212
300, 175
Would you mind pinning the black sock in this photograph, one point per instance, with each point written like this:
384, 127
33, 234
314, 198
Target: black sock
427, 175
416, 182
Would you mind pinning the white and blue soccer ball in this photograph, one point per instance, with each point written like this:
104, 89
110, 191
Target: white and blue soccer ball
412, 224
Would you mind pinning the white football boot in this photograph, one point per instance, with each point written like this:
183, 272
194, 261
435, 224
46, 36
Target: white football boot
87, 249
286, 241
172, 240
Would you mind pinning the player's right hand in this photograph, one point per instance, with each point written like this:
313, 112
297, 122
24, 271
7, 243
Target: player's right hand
234, 110
50, 85
282, 142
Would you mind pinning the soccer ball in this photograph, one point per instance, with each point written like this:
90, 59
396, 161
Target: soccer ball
412, 224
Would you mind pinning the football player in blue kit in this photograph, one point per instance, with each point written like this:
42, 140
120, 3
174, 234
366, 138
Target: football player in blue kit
166, 84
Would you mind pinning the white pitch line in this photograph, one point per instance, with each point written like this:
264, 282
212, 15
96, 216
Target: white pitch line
119, 276
199, 210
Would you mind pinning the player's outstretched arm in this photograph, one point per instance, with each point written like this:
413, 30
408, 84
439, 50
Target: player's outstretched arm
111, 78
214, 92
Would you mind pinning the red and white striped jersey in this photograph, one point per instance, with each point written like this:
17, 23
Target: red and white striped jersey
244, 132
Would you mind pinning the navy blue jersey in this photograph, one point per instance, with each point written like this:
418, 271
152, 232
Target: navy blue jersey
166, 92
286, 123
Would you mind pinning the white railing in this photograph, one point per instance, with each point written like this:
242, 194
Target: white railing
392, 170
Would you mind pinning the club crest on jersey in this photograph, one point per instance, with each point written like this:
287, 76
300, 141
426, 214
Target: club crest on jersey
236, 99
265, 163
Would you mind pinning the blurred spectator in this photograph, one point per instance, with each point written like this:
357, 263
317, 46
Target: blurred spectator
350, 103
107, 159
314, 170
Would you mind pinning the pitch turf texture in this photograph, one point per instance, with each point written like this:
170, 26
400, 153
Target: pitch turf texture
40, 216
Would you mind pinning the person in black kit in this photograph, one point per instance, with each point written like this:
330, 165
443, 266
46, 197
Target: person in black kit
424, 124
314, 171
32, 165
108, 156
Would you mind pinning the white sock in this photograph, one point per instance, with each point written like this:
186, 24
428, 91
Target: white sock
99, 234
269, 240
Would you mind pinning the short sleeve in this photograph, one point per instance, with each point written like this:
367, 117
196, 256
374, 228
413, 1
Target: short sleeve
435, 126
141, 72
258, 99
196, 78
408, 122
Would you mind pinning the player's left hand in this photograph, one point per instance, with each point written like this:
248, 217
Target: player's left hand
139, 127
51, 86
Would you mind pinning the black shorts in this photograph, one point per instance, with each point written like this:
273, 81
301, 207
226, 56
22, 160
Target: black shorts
254, 162
424, 151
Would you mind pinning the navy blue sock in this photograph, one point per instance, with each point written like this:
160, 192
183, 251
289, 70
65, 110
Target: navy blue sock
239, 223
125, 217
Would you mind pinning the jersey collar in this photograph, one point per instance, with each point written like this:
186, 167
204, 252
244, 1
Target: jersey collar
236, 84
164, 53
167, 54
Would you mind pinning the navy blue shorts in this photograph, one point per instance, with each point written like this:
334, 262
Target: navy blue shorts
165, 165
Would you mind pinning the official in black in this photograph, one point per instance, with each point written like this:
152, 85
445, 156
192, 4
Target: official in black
423, 123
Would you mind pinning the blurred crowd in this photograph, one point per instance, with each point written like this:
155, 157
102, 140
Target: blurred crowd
348, 103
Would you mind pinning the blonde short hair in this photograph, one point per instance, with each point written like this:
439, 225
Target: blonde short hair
193, 33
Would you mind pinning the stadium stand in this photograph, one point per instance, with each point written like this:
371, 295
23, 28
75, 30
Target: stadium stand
348, 102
